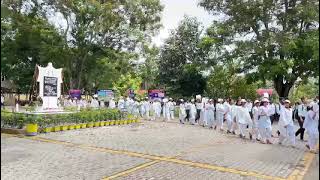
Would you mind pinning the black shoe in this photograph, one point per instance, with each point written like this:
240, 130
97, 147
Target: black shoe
240, 135
234, 133
257, 139
228, 131
250, 136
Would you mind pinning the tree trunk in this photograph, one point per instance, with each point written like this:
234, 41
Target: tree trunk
282, 89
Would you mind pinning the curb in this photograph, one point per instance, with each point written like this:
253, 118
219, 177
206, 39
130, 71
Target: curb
13, 131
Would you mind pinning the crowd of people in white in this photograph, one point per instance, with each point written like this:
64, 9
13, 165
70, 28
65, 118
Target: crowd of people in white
250, 119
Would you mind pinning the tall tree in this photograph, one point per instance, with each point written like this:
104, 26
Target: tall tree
179, 56
273, 40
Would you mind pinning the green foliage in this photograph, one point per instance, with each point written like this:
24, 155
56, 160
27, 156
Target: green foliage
309, 90
268, 37
19, 120
126, 82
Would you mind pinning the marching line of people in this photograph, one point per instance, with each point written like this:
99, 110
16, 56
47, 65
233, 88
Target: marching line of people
253, 120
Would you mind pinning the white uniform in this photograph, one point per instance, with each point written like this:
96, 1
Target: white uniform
264, 123
219, 118
121, 104
311, 126
142, 109
182, 113
193, 113
315, 108
146, 105
210, 115
135, 108
228, 114
244, 119
156, 106
171, 105
234, 110
166, 110
255, 115
286, 127
112, 104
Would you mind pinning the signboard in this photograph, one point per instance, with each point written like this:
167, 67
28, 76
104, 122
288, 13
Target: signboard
105, 95
50, 88
75, 93
156, 94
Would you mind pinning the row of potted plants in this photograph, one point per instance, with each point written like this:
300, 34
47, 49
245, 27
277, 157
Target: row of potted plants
57, 122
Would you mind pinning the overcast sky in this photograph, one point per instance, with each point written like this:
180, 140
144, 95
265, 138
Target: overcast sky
173, 13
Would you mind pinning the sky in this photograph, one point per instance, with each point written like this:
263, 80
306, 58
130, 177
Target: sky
173, 13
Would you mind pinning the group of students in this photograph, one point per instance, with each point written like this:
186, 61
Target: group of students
255, 120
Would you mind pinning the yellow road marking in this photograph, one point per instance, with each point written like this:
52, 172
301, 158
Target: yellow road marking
306, 161
154, 158
131, 170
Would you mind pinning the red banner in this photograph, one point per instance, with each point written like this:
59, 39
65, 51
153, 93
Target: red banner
262, 91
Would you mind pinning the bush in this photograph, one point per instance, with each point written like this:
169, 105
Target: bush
19, 120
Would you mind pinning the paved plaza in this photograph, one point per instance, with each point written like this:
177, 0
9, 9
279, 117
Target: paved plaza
151, 151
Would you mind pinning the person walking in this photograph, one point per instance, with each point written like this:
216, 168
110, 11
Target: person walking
220, 114
255, 116
193, 112
264, 122
210, 121
199, 106
171, 105
182, 111
286, 126
302, 111
311, 127
228, 114
244, 120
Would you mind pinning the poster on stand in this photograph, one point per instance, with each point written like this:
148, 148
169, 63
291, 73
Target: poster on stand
105, 95
75, 93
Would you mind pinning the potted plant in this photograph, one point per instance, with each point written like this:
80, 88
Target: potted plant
32, 126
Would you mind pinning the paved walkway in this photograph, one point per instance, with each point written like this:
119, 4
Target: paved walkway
151, 150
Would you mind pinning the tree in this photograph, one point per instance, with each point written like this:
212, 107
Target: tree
125, 83
275, 40
179, 56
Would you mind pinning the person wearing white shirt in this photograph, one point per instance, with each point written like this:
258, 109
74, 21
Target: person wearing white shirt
264, 122
193, 112
286, 127
255, 116
182, 111
302, 111
136, 108
121, 104
147, 108
244, 119
112, 104
171, 105
156, 107
188, 106
220, 113
166, 109
272, 111
209, 108
311, 127
234, 111
142, 108
228, 114
199, 106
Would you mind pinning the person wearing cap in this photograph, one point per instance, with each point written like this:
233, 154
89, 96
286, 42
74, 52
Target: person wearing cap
182, 111
228, 114
311, 126
286, 126
210, 122
193, 112
171, 105
244, 119
219, 112
146, 105
255, 115
264, 122
302, 111
199, 106
203, 113
165, 110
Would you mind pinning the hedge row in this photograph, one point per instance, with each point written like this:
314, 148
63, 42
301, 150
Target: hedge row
19, 120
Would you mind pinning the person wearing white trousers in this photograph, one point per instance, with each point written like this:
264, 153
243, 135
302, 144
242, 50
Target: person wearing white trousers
286, 127
228, 114
234, 111
210, 114
171, 105
182, 111
264, 122
166, 109
156, 107
311, 125
219, 115
147, 108
255, 115
244, 119
193, 112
